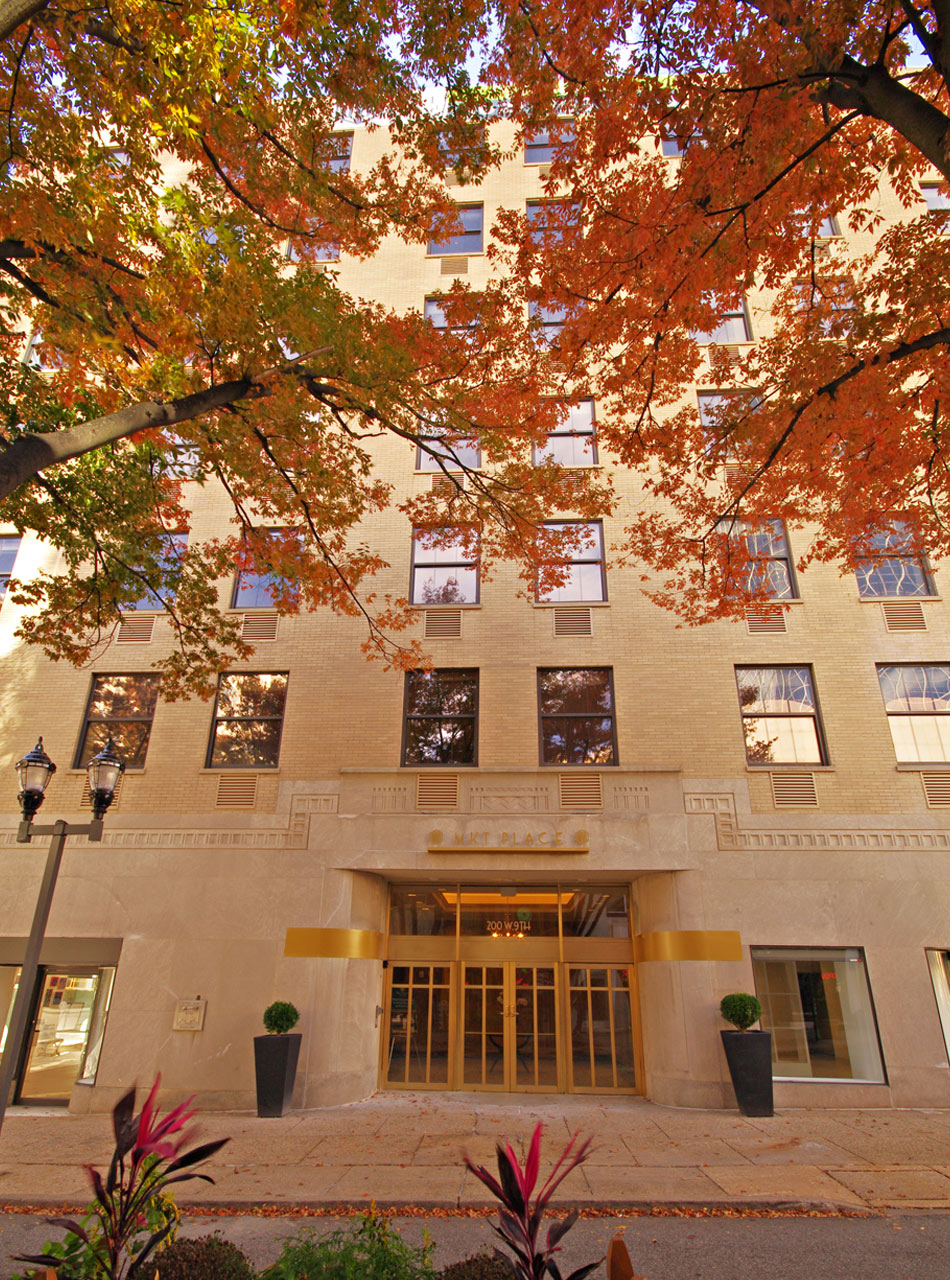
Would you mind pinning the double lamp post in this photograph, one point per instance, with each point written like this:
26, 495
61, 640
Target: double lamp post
35, 771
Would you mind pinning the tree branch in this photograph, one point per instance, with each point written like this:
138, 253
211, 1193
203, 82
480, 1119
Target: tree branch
15, 12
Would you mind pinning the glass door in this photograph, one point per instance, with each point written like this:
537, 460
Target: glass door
61, 1025
601, 1018
509, 1022
419, 1040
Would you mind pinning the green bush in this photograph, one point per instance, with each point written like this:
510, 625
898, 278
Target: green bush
368, 1250
279, 1017
204, 1258
741, 1009
481, 1266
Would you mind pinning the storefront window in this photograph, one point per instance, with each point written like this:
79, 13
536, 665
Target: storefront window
817, 1004
595, 913
418, 910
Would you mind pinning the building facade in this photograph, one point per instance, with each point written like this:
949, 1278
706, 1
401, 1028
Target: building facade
538, 867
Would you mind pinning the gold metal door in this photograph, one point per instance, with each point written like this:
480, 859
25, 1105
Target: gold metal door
419, 1022
509, 1028
600, 1012
60, 1035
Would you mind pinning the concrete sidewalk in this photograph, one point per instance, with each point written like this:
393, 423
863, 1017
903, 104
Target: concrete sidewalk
406, 1149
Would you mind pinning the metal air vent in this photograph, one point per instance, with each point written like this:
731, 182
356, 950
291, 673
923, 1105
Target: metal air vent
443, 624
136, 630
904, 615
437, 791
936, 789
260, 626
580, 791
794, 790
236, 791
573, 622
455, 265
765, 622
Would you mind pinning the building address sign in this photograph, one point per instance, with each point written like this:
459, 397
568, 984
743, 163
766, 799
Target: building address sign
544, 841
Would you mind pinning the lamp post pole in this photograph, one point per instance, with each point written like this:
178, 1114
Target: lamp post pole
35, 770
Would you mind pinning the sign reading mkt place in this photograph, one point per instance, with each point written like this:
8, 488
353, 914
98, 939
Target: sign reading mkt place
550, 840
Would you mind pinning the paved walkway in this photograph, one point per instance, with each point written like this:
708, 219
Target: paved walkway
406, 1149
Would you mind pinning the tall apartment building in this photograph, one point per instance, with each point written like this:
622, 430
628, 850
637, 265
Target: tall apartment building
539, 867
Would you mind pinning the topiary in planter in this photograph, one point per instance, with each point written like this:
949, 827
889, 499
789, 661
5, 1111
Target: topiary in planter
280, 1017
741, 1009
204, 1258
481, 1266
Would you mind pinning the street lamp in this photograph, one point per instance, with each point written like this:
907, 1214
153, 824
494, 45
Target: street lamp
35, 771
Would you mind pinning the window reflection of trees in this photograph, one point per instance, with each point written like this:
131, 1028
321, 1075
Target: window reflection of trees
248, 718
894, 565
441, 708
779, 715
120, 707
576, 710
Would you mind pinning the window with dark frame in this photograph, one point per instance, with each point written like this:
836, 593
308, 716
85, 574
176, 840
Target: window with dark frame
169, 558
9, 546
540, 145
584, 578
780, 715
440, 720
256, 590
435, 313
573, 443
917, 702
723, 418
549, 321
551, 219
340, 152
248, 720
467, 240
576, 716
443, 571
733, 327
937, 198
758, 560
121, 707
440, 452
894, 565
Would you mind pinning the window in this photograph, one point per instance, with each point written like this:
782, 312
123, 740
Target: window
572, 443
440, 449
248, 719
325, 251
168, 559
758, 558
254, 590
548, 220
540, 146
779, 715
917, 702
120, 707
441, 717
576, 713
828, 228
9, 546
937, 201
547, 321
446, 572
453, 152
816, 1002
435, 313
831, 301
724, 418
733, 326
585, 580
340, 151
466, 240
893, 566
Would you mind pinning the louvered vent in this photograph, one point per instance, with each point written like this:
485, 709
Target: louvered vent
236, 791
437, 791
822, 249
904, 615
732, 353
448, 483
794, 789
443, 624
544, 170
455, 265
580, 790
260, 626
937, 789
85, 800
573, 622
136, 630
765, 622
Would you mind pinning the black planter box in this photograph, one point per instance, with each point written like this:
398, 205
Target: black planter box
749, 1054
275, 1067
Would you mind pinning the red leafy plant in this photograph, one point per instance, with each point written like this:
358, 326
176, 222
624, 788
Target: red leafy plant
520, 1220
130, 1216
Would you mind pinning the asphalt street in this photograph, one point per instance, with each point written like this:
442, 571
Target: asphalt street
878, 1247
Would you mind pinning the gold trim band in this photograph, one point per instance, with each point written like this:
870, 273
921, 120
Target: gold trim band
339, 944
689, 944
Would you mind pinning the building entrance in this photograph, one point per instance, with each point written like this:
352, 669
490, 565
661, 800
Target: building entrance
510, 990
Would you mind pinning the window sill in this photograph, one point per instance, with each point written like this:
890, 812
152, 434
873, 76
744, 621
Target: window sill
916, 766
810, 768
826, 1080
241, 768
435, 607
570, 604
77, 772
456, 253
898, 599
427, 767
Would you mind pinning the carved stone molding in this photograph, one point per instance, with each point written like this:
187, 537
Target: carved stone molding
499, 799
730, 838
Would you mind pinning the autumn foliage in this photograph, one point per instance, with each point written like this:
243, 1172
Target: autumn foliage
158, 162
